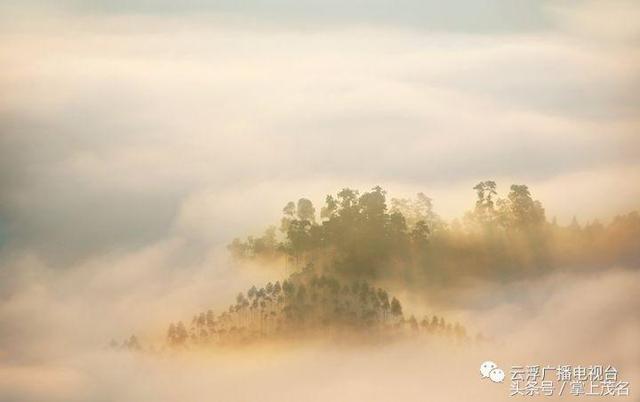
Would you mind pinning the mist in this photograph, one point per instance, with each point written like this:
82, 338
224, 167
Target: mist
137, 140
552, 321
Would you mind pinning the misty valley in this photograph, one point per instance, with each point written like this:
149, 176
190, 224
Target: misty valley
340, 264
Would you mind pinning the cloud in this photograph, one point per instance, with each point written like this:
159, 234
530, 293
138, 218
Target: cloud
137, 139
612, 21
454, 16
110, 124
554, 320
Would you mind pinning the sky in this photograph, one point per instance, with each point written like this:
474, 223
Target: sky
137, 138
124, 121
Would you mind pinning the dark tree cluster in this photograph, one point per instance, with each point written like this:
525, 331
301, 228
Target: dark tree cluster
302, 305
362, 237
131, 344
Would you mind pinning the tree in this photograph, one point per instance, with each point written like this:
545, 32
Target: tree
424, 211
524, 211
133, 344
330, 208
413, 323
306, 211
181, 334
485, 204
289, 212
414, 211
360, 238
252, 292
420, 234
172, 334
396, 308
299, 236
373, 205
312, 302
347, 198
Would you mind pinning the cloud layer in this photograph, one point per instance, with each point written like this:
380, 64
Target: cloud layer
137, 140
112, 122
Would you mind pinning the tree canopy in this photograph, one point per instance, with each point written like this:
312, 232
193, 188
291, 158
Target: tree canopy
366, 236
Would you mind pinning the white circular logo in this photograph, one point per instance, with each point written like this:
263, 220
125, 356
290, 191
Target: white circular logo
496, 375
486, 367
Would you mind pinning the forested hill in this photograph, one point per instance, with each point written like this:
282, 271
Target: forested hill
302, 307
367, 236
340, 258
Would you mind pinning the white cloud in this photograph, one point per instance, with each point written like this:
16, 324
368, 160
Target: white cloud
612, 20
